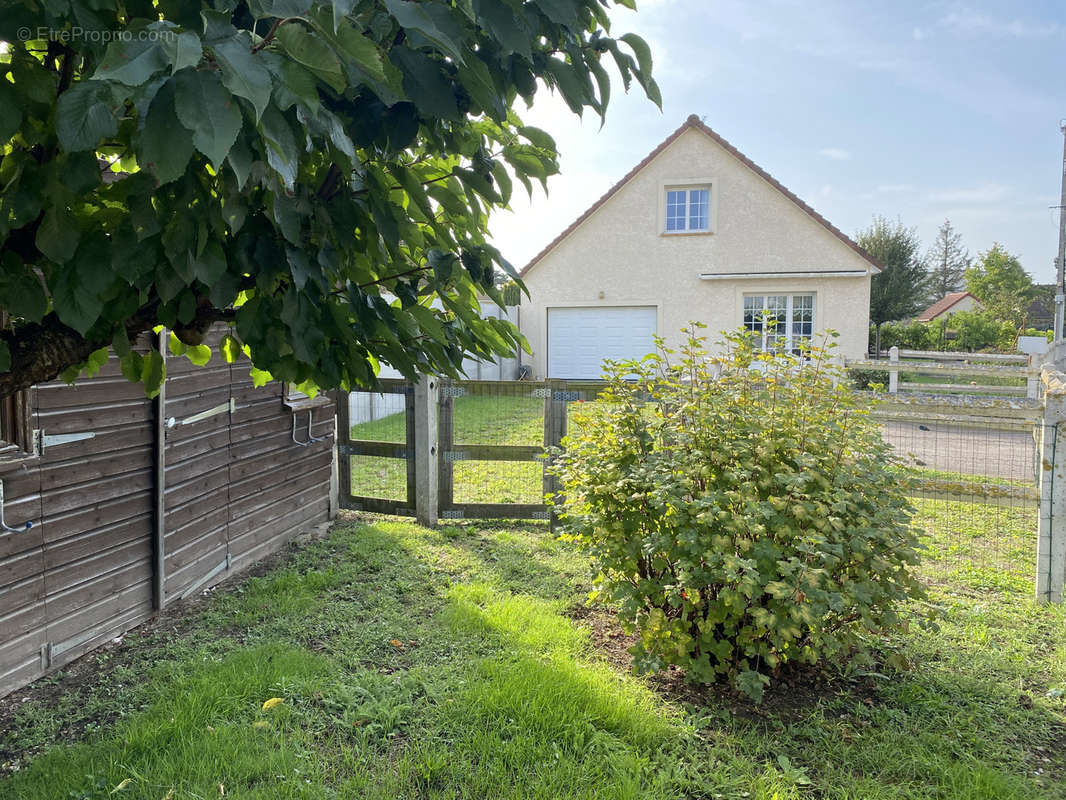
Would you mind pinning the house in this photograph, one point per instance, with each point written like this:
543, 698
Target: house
695, 231
948, 305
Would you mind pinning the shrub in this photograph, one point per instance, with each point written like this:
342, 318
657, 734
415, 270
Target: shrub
868, 378
741, 512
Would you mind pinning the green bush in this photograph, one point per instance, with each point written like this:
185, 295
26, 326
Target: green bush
741, 512
868, 378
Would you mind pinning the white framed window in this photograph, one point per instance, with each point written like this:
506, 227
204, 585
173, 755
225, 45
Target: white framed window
781, 323
688, 209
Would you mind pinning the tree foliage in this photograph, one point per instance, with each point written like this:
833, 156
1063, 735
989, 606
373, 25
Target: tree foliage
946, 261
998, 280
898, 291
741, 512
317, 174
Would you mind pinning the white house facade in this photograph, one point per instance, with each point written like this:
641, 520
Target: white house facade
696, 231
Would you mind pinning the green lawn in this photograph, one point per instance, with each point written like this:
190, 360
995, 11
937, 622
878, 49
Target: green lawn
461, 662
478, 419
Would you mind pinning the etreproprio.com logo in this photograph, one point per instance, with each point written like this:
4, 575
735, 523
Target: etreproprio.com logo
92, 35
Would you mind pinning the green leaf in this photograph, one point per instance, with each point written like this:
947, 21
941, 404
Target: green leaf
57, 236
75, 305
477, 79
206, 107
433, 21
752, 683
132, 61
425, 83
153, 372
132, 365
165, 146
97, 359
297, 85
499, 20
243, 73
538, 137
260, 377
563, 12
184, 50
282, 153
641, 50
5, 357
176, 346
83, 116
312, 52
568, 79
11, 120
198, 354
229, 348
211, 263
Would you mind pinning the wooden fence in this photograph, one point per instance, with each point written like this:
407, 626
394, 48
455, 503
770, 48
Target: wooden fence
136, 503
976, 456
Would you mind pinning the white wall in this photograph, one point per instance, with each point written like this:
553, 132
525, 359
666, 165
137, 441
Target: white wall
619, 256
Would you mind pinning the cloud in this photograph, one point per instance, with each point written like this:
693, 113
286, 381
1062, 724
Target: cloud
835, 153
984, 193
969, 22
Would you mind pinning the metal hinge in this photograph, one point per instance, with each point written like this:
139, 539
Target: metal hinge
542, 394
42, 441
540, 515
451, 514
567, 397
452, 391
454, 455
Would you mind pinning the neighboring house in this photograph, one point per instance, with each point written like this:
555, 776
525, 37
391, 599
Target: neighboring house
696, 231
948, 305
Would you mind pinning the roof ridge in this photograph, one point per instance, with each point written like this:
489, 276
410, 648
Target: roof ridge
694, 122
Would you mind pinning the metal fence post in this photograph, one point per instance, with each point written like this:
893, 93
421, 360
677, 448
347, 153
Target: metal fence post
1051, 530
893, 374
427, 392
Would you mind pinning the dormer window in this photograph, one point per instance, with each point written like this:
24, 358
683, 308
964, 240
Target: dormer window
687, 207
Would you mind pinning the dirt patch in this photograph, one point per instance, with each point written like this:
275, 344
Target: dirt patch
791, 696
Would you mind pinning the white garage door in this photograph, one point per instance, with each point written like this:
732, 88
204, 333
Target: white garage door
579, 339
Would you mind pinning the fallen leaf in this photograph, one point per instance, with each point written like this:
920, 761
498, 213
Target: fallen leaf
273, 701
125, 782
396, 643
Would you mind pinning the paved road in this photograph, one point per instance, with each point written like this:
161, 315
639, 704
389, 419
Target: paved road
973, 451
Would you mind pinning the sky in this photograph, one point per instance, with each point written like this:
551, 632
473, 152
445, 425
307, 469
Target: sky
921, 111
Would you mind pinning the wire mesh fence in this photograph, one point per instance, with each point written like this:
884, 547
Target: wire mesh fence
974, 486
972, 464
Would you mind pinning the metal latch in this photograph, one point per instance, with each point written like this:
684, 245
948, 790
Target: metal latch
42, 441
229, 407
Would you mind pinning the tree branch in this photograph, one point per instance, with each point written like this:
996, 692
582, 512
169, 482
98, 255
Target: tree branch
41, 351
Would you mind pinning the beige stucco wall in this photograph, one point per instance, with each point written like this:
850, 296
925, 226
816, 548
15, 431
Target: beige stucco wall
618, 256
968, 303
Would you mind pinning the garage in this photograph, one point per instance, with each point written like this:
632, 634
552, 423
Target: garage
579, 339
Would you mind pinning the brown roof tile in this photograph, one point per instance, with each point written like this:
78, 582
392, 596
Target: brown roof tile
942, 305
696, 123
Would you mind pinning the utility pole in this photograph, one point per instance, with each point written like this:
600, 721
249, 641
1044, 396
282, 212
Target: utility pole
1060, 261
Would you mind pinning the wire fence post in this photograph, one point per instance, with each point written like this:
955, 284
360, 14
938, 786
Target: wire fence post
427, 393
1051, 531
893, 372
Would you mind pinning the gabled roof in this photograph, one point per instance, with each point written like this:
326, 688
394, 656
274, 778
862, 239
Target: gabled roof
696, 123
943, 305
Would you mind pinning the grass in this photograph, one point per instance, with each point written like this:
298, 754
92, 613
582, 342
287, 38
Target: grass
460, 662
478, 419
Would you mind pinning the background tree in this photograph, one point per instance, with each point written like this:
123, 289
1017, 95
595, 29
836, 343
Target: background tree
319, 175
998, 280
946, 261
899, 290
